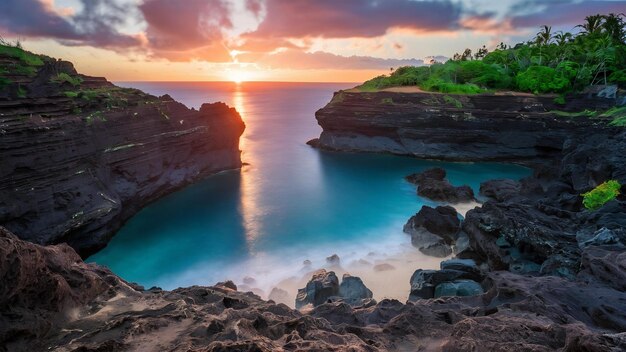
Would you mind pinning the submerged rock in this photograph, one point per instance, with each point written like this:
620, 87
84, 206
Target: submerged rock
433, 185
333, 260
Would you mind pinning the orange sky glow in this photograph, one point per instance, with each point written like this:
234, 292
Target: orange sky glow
274, 40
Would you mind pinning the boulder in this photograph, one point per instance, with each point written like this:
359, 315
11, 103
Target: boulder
442, 221
434, 230
319, 289
424, 283
333, 260
432, 184
353, 291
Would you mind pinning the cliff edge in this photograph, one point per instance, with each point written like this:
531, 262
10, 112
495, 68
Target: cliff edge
513, 127
80, 156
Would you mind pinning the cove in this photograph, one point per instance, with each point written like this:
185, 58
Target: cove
288, 204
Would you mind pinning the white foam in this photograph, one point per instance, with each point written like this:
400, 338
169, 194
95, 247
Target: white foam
383, 259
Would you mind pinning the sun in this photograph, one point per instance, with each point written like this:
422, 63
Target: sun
238, 76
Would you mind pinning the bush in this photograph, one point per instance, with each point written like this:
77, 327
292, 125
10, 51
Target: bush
602, 194
438, 85
542, 79
65, 78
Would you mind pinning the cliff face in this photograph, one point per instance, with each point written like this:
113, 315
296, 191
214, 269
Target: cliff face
80, 156
484, 127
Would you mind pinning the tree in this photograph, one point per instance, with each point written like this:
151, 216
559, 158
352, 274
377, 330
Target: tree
481, 53
544, 36
562, 38
467, 55
614, 27
592, 25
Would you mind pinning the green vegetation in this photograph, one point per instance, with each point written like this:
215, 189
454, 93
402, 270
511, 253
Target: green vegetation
387, 101
558, 63
15, 50
596, 198
65, 78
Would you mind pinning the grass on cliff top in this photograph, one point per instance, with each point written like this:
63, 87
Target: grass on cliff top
15, 51
597, 197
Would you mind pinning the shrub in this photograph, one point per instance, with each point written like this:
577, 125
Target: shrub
602, 194
542, 79
65, 78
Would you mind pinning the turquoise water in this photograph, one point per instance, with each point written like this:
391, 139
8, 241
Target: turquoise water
290, 203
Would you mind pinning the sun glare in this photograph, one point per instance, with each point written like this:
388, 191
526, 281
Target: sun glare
238, 76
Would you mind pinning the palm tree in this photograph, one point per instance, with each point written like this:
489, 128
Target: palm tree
544, 36
562, 38
614, 27
592, 25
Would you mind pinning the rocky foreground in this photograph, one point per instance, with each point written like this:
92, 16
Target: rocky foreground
80, 156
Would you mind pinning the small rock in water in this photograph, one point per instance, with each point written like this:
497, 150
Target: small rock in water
333, 260
249, 280
384, 267
363, 262
307, 263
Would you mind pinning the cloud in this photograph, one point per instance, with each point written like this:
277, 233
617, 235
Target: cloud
355, 18
182, 32
561, 12
299, 60
93, 26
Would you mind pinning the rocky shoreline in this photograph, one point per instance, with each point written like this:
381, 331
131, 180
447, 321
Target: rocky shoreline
514, 128
80, 156
537, 271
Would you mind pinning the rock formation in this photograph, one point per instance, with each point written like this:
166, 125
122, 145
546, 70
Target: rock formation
50, 300
432, 184
434, 230
80, 156
514, 128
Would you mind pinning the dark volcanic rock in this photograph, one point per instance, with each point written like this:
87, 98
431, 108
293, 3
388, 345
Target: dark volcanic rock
434, 230
433, 185
485, 127
322, 286
457, 277
74, 169
51, 300
500, 190
353, 290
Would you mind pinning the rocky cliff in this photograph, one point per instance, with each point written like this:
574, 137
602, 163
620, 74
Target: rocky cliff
483, 127
79, 156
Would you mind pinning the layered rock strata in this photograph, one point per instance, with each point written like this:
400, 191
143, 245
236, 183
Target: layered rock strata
80, 157
484, 127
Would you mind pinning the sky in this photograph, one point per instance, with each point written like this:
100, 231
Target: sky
275, 40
